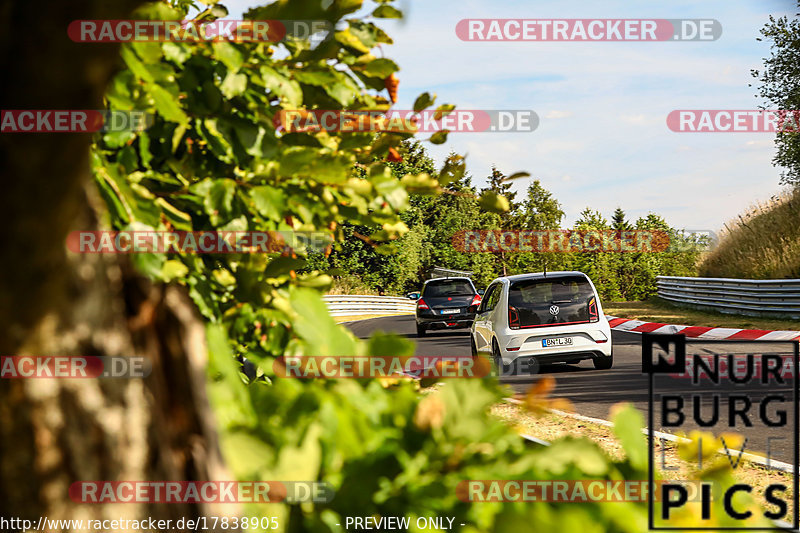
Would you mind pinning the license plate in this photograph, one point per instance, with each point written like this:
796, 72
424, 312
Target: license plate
561, 341
450, 311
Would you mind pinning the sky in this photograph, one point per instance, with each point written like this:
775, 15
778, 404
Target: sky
602, 140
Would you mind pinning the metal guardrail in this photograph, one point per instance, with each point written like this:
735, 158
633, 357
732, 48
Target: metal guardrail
359, 304
778, 297
441, 272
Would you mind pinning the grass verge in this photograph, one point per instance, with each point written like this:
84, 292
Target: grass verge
657, 310
552, 426
340, 319
759, 244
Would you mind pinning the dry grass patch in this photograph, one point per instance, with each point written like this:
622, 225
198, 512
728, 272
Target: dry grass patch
763, 243
552, 426
353, 318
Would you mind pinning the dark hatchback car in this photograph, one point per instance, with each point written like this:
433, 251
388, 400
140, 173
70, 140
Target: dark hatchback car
445, 303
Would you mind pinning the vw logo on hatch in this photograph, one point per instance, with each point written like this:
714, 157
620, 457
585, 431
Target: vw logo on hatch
554, 310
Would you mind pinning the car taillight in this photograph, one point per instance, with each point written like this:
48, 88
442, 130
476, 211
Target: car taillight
476, 300
422, 305
593, 315
513, 318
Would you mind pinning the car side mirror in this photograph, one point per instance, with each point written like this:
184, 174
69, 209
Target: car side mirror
481, 292
472, 309
413, 295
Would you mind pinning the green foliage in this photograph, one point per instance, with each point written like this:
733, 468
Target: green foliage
434, 220
499, 185
628, 423
214, 160
780, 88
541, 210
618, 220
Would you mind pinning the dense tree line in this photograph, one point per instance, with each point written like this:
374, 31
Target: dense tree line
433, 220
779, 86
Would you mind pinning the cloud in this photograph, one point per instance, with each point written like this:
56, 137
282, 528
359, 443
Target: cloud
603, 139
558, 114
641, 119
769, 143
603, 106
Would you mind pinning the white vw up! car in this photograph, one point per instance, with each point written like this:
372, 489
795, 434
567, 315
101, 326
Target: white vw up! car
542, 318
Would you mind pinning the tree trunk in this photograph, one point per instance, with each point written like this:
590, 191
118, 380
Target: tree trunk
54, 432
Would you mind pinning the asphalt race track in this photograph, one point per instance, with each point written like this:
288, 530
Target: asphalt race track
592, 392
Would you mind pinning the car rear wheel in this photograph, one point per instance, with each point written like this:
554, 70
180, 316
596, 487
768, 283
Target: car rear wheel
603, 363
420, 331
502, 368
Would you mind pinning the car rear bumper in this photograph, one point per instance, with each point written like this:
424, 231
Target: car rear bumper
441, 322
587, 343
435, 320
531, 364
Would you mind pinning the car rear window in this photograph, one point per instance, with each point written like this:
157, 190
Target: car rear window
448, 287
549, 302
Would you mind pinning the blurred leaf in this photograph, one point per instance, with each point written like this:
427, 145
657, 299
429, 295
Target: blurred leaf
134, 64
453, 170
233, 85
173, 269
380, 68
228, 54
536, 399
702, 444
440, 137
443, 110
628, 423
385, 141
226, 391
493, 202
286, 89
315, 325
420, 183
219, 11
516, 176
282, 265
269, 201
167, 104
387, 12
347, 38
217, 197
423, 101
224, 277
